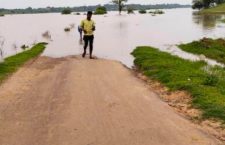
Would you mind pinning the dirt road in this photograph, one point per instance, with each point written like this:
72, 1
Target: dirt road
73, 101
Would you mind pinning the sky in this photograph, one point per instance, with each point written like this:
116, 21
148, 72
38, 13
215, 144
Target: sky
44, 3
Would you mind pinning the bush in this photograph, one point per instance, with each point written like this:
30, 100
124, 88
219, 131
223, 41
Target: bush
67, 29
130, 11
100, 10
24, 47
2, 15
66, 11
157, 12
142, 11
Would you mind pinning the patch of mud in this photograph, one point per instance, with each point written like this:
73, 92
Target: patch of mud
180, 101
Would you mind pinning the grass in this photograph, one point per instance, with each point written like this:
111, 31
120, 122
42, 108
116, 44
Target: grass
217, 9
211, 48
223, 21
205, 84
11, 64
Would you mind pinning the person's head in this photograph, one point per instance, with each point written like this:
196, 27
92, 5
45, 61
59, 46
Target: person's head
89, 15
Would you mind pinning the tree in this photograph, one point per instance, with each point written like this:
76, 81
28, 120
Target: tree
197, 4
205, 3
120, 4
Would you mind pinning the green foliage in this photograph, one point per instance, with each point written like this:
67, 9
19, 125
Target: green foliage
66, 11
197, 4
11, 64
2, 15
66, 29
24, 47
176, 73
157, 12
142, 11
220, 8
211, 80
214, 49
130, 11
101, 10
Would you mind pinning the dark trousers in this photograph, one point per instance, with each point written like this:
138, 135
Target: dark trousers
88, 40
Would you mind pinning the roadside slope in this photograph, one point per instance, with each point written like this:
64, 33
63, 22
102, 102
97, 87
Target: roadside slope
72, 101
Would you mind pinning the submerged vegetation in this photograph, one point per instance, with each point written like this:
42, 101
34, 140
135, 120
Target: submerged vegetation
67, 29
101, 10
130, 11
66, 11
11, 64
142, 11
211, 48
157, 12
205, 84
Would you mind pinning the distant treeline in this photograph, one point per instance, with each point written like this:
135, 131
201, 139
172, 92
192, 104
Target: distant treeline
109, 7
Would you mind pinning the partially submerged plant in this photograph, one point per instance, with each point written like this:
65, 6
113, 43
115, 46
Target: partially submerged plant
130, 11
67, 29
24, 47
46, 35
142, 11
157, 12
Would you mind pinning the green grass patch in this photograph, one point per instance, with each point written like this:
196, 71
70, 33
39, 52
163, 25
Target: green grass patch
218, 9
205, 84
211, 48
12, 63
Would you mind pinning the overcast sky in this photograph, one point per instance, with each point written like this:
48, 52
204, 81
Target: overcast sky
45, 3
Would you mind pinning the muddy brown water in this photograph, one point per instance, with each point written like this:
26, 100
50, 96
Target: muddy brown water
116, 36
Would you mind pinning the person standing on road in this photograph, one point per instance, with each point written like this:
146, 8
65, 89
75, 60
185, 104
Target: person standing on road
88, 27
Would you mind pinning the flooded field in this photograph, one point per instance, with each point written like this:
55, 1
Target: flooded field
116, 36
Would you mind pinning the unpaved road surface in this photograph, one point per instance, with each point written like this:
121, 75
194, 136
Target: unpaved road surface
74, 101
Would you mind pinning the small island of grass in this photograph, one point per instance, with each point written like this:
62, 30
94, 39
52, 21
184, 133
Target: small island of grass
211, 48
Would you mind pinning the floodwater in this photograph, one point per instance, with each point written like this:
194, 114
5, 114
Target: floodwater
115, 37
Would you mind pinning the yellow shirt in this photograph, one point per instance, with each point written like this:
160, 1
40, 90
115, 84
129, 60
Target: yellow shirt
88, 26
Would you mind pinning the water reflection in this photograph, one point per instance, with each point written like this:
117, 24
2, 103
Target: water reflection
208, 21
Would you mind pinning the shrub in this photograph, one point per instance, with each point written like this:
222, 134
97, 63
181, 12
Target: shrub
142, 11
66, 11
67, 29
130, 11
2, 15
101, 10
24, 46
